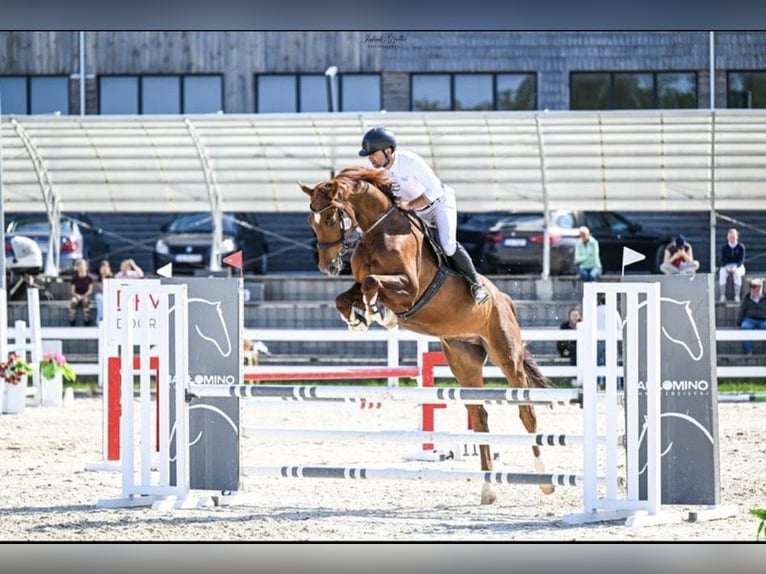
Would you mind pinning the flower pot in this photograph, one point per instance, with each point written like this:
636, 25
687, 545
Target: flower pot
15, 397
52, 391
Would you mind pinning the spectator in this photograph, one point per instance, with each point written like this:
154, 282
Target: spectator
82, 290
129, 269
752, 312
586, 256
568, 349
104, 272
732, 264
679, 258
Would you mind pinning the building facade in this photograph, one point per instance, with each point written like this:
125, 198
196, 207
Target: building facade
116, 72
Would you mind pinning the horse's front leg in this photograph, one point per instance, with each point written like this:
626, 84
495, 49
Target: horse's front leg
398, 291
349, 305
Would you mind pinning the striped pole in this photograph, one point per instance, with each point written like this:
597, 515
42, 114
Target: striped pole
755, 397
360, 473
408, 436
421, 394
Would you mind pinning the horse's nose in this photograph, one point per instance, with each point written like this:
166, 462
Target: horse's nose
333, 268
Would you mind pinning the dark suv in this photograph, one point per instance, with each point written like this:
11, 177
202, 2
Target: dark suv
186, 240
503, 242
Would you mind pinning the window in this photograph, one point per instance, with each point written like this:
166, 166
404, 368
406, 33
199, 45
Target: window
197, 94
308, 93
24, 95
745, 90
473, 91
118, 95
516, 92
632, 90
312, 93
360, 93
202, 94
13, 94
276, 94
677, 90
590, 92
431, 92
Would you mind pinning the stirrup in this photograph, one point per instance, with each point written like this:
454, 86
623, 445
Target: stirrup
479, 293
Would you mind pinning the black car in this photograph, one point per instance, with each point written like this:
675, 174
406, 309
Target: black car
503, 242
186, 242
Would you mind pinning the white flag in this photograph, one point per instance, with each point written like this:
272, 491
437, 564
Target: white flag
630, 256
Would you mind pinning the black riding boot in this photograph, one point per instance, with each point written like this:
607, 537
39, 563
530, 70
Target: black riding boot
462, 262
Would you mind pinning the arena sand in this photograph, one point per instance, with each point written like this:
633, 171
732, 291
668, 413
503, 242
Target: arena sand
48, 495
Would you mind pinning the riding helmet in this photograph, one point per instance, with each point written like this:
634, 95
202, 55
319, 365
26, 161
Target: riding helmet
377, 139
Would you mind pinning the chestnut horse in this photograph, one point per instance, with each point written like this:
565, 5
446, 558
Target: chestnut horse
399, 278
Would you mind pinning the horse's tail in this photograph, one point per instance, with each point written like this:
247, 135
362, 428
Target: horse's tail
535, 377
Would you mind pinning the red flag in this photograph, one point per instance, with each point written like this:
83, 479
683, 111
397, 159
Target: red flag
234, 260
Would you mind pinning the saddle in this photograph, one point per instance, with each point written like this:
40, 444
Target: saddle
429, 232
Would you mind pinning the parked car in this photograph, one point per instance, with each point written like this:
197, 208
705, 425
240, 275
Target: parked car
513, 241
186, 240
79, 237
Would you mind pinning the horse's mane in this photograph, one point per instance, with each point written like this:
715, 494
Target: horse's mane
377, 177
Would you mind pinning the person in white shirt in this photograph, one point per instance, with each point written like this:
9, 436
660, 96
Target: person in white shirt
419, 189
129, 269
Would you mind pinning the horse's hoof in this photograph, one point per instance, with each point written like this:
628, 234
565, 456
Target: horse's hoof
488, 495
358, 326
547, 488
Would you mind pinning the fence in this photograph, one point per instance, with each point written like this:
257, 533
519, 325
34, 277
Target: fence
395, 336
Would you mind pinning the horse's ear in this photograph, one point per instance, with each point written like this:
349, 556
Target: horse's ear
306, 189
330, 188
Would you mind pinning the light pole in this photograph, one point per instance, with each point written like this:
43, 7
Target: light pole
330, 74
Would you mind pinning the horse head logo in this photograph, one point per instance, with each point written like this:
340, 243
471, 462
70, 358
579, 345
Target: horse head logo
206, 319
682, 329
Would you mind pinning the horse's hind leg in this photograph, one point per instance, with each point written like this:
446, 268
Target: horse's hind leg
466, 361
507, 352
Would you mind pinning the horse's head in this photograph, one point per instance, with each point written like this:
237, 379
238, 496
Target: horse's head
331, 223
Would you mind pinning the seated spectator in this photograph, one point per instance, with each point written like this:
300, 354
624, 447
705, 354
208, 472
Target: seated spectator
82, 291
752, 312
568, 349
129, 269
104, 272
679, 258
586, 256
732, 264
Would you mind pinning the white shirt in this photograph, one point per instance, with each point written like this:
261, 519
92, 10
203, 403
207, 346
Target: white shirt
414, 177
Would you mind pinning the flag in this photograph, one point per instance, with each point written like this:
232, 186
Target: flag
630, 256
166, 270
234, 260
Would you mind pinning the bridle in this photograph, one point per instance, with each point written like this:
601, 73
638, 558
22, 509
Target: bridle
346, 223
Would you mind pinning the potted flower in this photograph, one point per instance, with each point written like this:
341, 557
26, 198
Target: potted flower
54, 363
54, 368
14, 394
14, 368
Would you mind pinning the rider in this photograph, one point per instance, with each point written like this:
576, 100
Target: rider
419, 189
